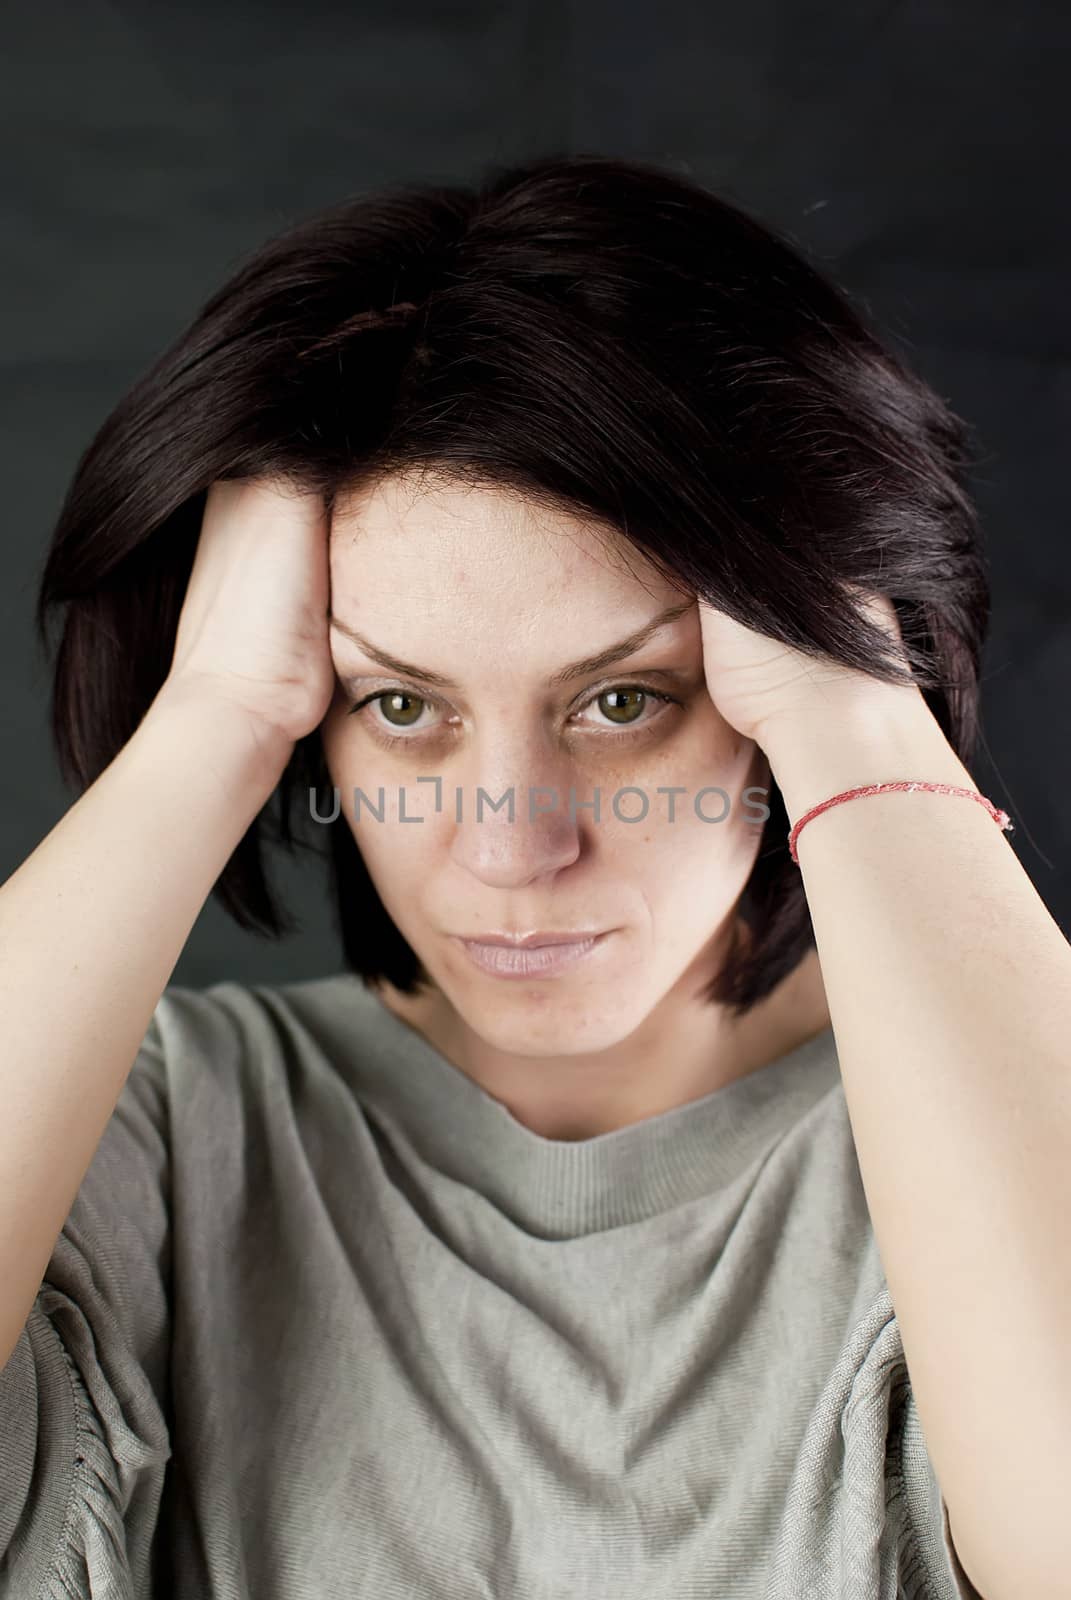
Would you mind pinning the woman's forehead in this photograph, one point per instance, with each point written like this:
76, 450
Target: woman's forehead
487, 545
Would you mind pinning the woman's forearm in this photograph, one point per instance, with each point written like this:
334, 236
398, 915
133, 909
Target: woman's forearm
949, 991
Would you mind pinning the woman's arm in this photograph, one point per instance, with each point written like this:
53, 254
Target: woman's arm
949, 989
91, 926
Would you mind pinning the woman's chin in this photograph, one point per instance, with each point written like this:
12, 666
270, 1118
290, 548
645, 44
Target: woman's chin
544, 1026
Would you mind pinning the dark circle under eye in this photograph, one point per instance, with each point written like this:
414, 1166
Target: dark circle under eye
404, 721
629, 700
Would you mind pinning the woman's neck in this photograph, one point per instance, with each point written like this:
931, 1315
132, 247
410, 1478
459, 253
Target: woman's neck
685, 1050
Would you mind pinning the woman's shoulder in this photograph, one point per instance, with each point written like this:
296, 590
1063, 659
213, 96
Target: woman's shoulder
232, 1030
229, 1008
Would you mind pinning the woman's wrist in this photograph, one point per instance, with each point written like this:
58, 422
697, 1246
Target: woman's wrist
250, 754
827, 750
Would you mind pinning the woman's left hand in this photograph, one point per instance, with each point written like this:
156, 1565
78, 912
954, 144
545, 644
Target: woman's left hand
757, 683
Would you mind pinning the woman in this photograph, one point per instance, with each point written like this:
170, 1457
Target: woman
549, 551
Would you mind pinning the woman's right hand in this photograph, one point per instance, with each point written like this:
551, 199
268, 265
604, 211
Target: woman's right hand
253, 629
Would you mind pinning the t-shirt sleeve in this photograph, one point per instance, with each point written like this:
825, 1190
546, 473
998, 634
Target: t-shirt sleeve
916, 1515
865, 1514
925, 1505
84, 1429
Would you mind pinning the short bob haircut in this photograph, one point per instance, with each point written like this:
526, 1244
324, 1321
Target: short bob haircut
600, 336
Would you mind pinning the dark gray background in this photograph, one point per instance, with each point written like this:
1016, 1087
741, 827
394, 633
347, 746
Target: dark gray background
918, 150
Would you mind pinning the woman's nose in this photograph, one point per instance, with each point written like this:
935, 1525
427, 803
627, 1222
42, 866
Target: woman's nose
509, 832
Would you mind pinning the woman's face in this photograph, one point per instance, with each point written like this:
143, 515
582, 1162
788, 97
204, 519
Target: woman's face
499, 599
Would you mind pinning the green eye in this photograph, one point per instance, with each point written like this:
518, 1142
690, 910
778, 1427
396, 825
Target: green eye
406, 715
628, 701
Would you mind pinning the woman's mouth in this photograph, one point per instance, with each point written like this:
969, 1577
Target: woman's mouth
530, 961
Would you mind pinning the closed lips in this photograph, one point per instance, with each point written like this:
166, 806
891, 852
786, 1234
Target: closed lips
531, 941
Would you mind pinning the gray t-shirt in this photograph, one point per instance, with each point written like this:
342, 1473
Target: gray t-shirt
327, 1320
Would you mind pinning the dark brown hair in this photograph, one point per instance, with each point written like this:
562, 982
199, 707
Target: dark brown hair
603, 336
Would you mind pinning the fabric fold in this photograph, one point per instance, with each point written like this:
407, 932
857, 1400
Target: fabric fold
863, 1513
71, 1539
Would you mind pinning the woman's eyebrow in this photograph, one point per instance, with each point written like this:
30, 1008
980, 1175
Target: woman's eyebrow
576, 669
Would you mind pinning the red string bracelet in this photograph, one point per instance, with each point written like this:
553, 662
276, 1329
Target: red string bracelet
907, 785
